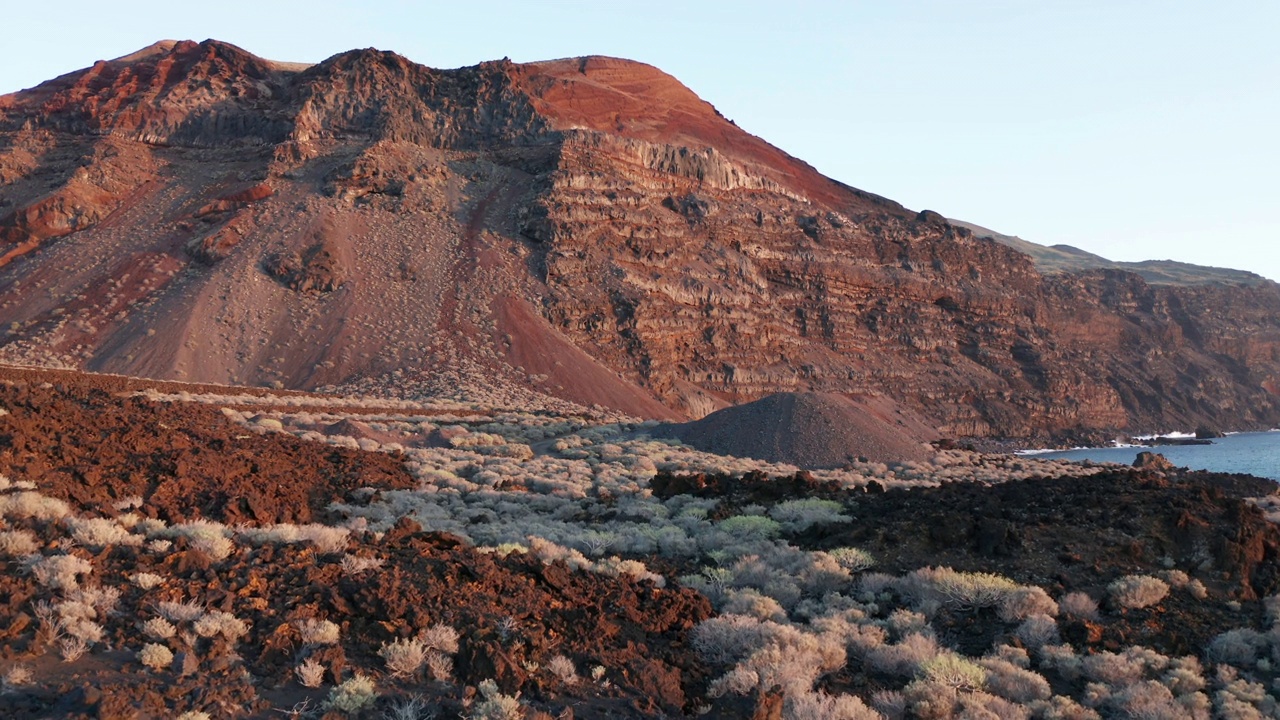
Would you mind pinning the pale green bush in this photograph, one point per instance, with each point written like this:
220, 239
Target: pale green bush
853, 559
750, 527
799, 515
353, 695
964, 590
953, 671
494, 705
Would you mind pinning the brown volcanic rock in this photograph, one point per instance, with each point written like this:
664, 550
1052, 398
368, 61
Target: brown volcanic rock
587, 228
182, 461
209, 469
1063, 534
809, 430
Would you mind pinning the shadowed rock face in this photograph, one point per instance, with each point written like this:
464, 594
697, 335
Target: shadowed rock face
192, 211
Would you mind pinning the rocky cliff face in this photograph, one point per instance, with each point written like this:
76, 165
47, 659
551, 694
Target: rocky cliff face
586, 228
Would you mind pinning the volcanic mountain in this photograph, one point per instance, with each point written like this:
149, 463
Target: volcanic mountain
586, 229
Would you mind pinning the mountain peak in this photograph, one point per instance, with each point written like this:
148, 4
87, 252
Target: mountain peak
586, 229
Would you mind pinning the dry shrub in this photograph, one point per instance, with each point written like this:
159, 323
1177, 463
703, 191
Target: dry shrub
156, 657
821, 706
18, 542
1014, 683
1080, 606
562, 667
1137, 591
1024, 602
1037, 631
310, 673
61, 572
159, 629
1239, 647
314, 631
404, 656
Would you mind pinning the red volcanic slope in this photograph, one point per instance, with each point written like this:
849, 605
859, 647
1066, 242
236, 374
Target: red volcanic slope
586, 229
632, 99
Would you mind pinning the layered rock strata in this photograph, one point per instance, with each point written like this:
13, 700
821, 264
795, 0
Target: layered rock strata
586, 228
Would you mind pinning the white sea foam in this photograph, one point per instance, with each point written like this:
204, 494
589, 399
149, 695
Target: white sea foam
1175, 435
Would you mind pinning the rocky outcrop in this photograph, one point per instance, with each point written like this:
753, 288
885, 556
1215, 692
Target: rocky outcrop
369, 221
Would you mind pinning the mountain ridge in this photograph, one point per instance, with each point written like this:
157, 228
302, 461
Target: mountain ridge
367, 223
1067, 258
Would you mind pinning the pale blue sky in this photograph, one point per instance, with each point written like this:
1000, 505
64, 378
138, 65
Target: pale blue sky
1135, 130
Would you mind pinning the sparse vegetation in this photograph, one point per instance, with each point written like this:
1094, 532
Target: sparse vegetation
790, 615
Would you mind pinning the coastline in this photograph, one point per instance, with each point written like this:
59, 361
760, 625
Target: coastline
1255, 453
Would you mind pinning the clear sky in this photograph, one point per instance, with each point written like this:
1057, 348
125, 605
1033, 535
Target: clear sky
1133, 129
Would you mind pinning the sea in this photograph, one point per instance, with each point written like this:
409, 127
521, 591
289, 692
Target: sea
1253, 453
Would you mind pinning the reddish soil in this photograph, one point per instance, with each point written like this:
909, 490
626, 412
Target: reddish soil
533, 344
